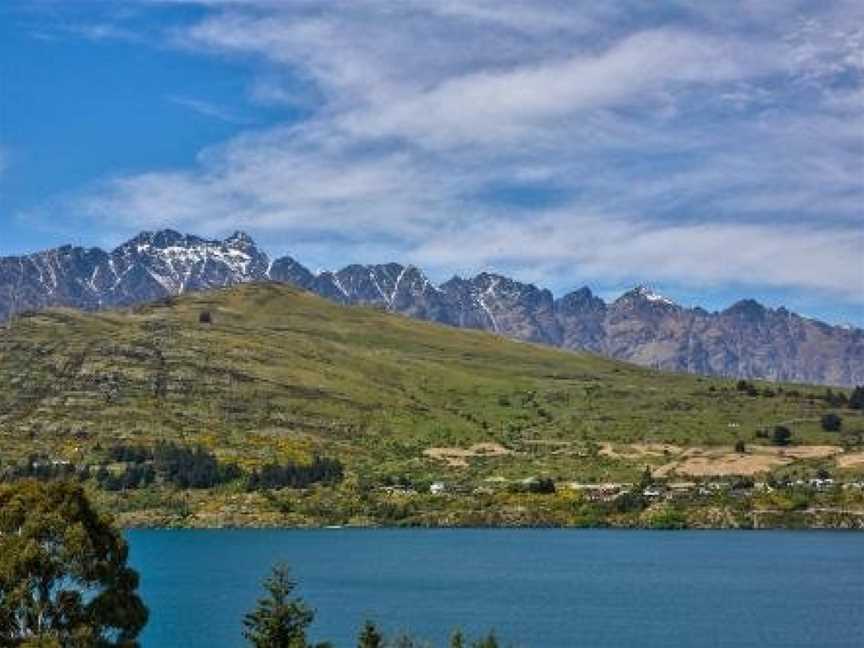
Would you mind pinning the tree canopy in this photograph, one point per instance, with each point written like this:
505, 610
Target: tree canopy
279, 620
64, 580
370, 637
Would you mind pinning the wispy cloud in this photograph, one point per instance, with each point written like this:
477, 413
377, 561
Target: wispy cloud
209, 109
696, 145
106, 31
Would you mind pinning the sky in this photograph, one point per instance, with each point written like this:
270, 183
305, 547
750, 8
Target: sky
712, 150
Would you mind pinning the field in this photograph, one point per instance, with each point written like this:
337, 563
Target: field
281, 375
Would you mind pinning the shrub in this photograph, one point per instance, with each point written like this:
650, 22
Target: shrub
781, 436
831, 423
543, 486
747, 387
856, 400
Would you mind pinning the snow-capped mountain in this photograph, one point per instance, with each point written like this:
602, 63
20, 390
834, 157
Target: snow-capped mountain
150, 266
746, 340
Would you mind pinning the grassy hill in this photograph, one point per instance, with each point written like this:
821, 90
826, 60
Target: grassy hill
282, 375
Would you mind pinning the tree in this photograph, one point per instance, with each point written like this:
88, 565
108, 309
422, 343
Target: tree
831, 422
835, 400
747, 387
279, 620
543, 486
63, 574
781, 435
370, 637
457, 640
647, 479
489, 641
856, 400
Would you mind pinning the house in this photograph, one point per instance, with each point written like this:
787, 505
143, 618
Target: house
599, 492
680, 490
438, 488
396, 491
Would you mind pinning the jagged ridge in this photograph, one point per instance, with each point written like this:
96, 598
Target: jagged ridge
747, 340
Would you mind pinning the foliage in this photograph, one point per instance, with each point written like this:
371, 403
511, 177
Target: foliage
831, 422
134, 476
278, 620
457, 639
191, 467
489, 641
63, 573
747, 387
41, 468
836, 399
542, 486
321, 471
781, 435
126, 453
370, 637
856, 400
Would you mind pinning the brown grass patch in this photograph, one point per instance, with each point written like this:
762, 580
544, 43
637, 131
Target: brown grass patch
637, 450
458, 457
850, 460
717, 462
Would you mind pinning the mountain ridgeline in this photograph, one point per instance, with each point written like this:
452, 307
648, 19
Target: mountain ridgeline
747, 340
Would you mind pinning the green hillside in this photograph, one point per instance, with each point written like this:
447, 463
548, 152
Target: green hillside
279, 375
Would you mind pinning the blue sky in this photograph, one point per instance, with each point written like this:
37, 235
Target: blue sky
712, 150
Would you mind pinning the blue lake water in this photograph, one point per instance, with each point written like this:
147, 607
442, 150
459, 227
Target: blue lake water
536, 588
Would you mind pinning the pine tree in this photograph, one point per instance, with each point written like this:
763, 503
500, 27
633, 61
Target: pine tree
279, 620
457, 640
490, 641
370, 637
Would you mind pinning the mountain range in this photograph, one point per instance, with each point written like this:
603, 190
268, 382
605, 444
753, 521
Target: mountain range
746, 340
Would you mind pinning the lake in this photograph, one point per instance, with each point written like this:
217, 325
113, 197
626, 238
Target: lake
537, 588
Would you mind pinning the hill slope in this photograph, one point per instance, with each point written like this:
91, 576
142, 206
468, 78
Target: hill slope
746, 340
281, 374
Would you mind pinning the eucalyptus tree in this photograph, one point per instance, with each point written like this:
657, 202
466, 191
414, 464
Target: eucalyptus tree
64, 578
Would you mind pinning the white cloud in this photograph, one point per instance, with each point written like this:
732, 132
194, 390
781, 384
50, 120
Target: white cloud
613, 249
712, 147
520, 102
209, 109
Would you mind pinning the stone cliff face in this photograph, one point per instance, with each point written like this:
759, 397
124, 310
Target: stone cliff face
747, 340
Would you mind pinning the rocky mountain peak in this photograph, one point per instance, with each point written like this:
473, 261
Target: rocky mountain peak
160, 239
582, 300
747, 309
746, 340
240, 239
643, 294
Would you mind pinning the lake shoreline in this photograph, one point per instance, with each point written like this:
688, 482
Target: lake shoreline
848, 521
